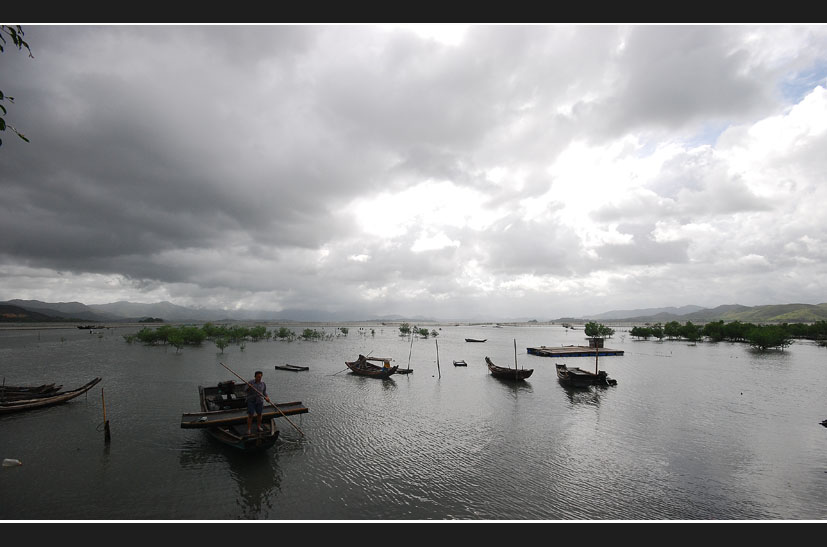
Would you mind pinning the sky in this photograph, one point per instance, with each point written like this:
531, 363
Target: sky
514, 171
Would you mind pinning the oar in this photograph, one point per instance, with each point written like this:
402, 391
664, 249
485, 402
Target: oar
267, 398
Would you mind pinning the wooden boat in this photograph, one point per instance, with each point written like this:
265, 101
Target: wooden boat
49, 400
577, 377
294, 368
476, 339
363, 367
224, 416
460, 363
22, 395
17, 393
508, 373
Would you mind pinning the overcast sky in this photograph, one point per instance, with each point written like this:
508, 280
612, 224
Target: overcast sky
501, 171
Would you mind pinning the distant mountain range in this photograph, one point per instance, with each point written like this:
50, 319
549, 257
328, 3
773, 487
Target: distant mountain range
22, 311
773, 313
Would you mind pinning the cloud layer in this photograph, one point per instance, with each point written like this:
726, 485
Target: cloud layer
504, 171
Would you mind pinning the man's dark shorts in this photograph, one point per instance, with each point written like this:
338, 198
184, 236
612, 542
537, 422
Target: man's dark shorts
255, 406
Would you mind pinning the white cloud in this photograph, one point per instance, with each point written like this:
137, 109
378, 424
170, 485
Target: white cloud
516, 170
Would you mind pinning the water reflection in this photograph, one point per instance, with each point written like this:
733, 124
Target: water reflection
512, 387
386, 383
257, 477
589, 395
256, 474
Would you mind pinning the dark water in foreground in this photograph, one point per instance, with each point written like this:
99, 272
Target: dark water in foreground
703, 432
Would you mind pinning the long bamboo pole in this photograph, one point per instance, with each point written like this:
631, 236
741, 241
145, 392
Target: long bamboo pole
266, 398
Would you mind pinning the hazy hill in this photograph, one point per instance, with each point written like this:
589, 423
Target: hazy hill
773, 313
646, 312
129, 311
63, 310
17, 314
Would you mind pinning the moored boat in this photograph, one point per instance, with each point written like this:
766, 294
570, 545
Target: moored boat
294, 368
476, 339
508, 373
39, 401
224, 415
17, 393
577, 377
460, 363
363, 367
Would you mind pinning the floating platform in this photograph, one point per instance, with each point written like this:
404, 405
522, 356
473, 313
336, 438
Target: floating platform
294, 368
573, 351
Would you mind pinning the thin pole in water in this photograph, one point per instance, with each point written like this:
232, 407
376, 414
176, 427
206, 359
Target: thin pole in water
410, 351
437, 358
106, 436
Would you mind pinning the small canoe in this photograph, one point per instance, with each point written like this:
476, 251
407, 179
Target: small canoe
43, 388
460, 363
476, 339
294, 368
53, 399
508, 373
363, 367
18, 393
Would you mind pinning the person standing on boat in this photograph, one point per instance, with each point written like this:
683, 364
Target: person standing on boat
256, 395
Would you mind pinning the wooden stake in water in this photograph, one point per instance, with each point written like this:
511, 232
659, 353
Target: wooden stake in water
106, 436
410, 351
437, 358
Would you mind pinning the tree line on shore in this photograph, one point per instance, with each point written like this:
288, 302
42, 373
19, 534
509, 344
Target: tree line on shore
758, 336
223, 335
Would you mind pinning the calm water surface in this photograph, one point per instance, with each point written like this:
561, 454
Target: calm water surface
691, 432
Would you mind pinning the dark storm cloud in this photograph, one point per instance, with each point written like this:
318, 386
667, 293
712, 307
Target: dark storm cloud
229, 162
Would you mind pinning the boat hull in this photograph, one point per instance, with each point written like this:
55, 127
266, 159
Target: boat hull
362, 367
40, 402
236, 437
224, 417
577, 377
514, 374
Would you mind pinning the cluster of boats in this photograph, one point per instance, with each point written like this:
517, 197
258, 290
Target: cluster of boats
572, 376
17, 398
223, 411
